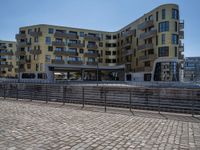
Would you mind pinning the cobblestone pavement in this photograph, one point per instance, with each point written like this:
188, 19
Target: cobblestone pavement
36, 125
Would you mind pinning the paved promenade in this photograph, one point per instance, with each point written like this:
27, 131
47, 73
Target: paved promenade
38, 126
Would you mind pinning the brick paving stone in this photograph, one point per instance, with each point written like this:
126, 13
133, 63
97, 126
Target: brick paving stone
38, 126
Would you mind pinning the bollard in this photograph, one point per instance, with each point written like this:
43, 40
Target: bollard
4, 92
130, 101
83, 97
105, 109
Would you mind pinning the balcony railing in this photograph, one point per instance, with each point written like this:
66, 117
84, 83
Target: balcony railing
181, 56
58, 43
20, 36
35, 51
181, 47
65, 35
76, 45
92, 46
36, 33
128, 33
91, 38
91, 54
127, 44
145, 24
65, 53
21, 61
77, 62
2, 59
181, 34
149, 34
3, 47
6, 65
20, 70
147, 57
181, 25
55, 61
22, 44
127, 52
6, 53
20, 53
145, 46
92, 63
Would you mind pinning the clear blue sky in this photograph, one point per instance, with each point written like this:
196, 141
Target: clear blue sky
107, 15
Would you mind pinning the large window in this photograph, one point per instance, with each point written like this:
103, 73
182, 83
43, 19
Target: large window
163, 13
163, 38
175, 14
163, 51
47, 58
51, 30
48, 40
164, 26
174, 39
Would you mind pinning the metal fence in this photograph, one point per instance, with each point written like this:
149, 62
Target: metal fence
158, 99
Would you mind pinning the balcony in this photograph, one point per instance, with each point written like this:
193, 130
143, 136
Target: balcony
58, 43
147, 69
36, 51
3, 72
127, 44
3, 47
20, 36
91, 54
36, 33
92, 46
181, 47
128, 33
6, 65
6, 53
147, 57
181, 25
2, 59
54, 61
145, 25
91, 38
20, 53
181, 56
65, 35
181, 34
145, 46
127, 52
65, 53
92, 63
76, 45
148, 34
21, 61
20, 70
78, 62
22, 44
139, 69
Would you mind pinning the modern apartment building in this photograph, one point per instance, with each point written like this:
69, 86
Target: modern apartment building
8, 66
192, 69
148, 49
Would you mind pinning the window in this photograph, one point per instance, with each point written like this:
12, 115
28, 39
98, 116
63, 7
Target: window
91, 59
73, 50
108, 37
114, 37
175, 14
58, 49
174, 39
163, 39
50, 48
28, 66
108, 60
175, 51
10, 45
147, 63
157, 16
37, 67
114, 60
114, 53
108, 52
36, 39
163, 51
58, 58
29, 31
163, 13
82, 34
100, 44
81, 51
48, 40
175, 27
151, 17
51, 30
164, 26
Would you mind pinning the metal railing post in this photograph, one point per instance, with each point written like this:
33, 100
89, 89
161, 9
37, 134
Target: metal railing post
105, 103
159, 104
83, 97
17, 93
192, 107
130, 100
4, 92
46, 92
63, 95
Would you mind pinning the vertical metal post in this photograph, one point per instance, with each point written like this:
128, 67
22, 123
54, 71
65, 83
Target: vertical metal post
83, 97
105, 100
17, 93
192, 107
4, 92
159, 104
63, 95
130, 100
46, 94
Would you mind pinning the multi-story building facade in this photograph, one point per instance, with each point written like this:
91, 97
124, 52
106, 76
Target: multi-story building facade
192, 69
8, 64
148, 49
